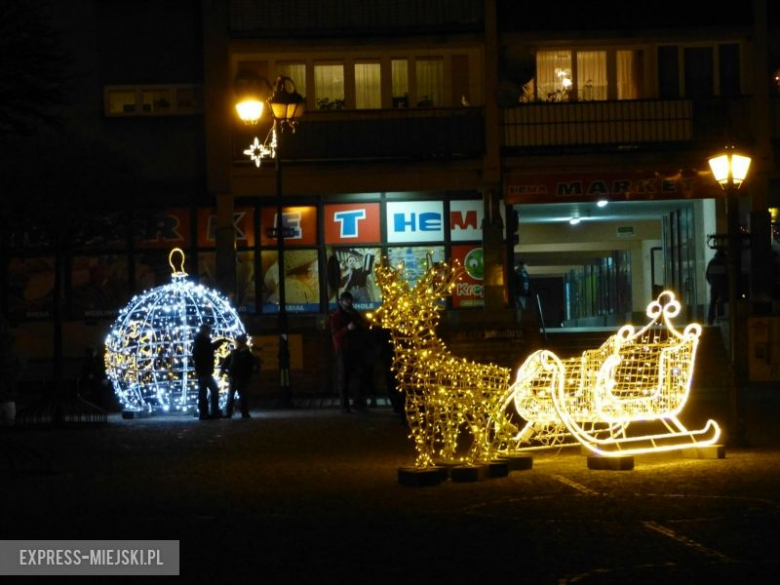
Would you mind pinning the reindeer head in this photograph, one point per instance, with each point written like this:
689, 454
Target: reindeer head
407, 309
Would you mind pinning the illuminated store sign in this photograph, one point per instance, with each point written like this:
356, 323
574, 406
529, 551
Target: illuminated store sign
243, 219
415, 221
163, 229
468, 291
300, 221
529, 188
466, 220
352, 223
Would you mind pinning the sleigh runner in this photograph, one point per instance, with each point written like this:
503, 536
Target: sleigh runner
622, 398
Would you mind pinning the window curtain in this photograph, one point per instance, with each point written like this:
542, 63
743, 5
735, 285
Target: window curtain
329, 86
430, 82
553, 75
296, 72
629, 75
368, 88
591, 76
400, 82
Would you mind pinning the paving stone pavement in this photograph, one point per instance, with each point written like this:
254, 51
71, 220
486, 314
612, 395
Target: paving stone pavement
310, 495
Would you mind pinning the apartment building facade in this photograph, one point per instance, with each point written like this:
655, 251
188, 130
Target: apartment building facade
473, 130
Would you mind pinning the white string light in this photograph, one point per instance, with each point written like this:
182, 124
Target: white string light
149, 347
622, 398
257, 151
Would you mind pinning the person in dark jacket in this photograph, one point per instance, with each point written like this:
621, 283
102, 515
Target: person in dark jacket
717, 277
239, 366
386, 354
204, 356
348, 328
523, 284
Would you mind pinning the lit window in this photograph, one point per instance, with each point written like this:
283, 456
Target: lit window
121, 102
152, 100
400, 82
368, 88
329, 86
296, 72
591, 75
630, 73
553, 75
156, 101
430, 82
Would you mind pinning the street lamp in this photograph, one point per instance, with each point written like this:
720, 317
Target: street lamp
287, 106
730, 171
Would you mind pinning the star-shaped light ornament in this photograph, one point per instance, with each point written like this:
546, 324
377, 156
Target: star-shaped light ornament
258, 150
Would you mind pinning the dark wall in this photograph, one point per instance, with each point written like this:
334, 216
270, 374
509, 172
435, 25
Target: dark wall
126, 42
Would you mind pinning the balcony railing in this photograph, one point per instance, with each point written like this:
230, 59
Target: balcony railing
444, 133
622, 123
459, 133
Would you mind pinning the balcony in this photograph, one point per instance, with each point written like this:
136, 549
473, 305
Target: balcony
420, 134
622, 124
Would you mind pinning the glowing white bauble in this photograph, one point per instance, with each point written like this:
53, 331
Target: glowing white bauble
149, 348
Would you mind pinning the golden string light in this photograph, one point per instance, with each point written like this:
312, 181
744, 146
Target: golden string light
637, 381
454, 407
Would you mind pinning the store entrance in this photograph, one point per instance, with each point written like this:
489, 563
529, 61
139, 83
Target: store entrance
599, 266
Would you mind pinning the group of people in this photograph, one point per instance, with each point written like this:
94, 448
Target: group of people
355, 346
239, 367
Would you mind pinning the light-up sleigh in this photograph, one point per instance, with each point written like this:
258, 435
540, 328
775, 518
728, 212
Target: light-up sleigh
620, 399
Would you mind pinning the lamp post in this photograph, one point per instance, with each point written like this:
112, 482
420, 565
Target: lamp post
730, 171
287, 107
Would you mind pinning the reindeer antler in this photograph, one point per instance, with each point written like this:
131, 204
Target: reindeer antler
438, 280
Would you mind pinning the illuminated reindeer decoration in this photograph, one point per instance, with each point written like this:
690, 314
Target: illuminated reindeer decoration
445, 395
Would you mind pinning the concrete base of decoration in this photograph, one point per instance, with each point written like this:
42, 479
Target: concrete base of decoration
468, 473
496, 467
708, 452
416, 477
610, 463
519, 462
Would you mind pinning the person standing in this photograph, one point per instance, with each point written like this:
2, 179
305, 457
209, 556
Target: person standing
347, 327
92, 380
523, 284
239, 365
204, 356
717, 276
386, 354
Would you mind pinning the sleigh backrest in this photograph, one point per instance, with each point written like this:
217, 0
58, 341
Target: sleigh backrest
638, 373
